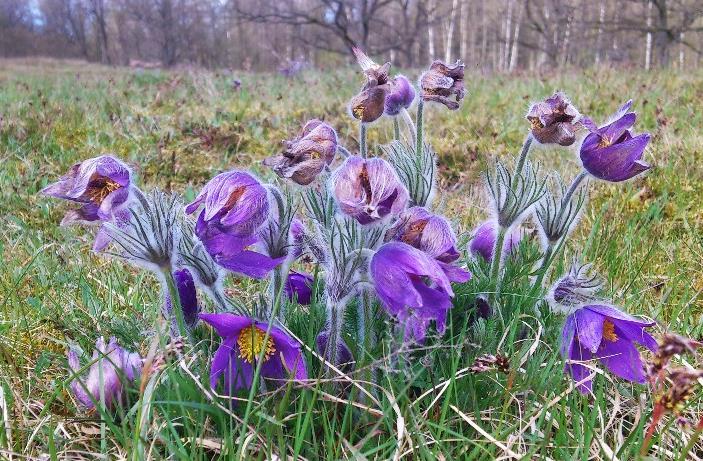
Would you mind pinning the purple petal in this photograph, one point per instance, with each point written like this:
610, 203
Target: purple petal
622, 358
617, 162
299, 286
226, 324
589, 328
251, 263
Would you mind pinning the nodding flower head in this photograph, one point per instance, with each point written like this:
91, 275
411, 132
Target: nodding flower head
442, 82
400, 95
299, 287
369, 104
425, 231
235, 206
112, 368
484, 240
578, 287
244, 343
611, 152
605, 333
554, 120
304, 157
345, 359
100, 184
368, 190
412, 287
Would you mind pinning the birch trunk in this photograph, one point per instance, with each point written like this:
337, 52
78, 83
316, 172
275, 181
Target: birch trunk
430, 28
450, 31
516, 37
648, 42
599, 33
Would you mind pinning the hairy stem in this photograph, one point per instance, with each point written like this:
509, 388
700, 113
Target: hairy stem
496, 262
335, 316
396, 129
573, 187
362, 140
523, 153
176, 307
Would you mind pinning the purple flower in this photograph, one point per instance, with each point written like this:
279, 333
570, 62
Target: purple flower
235, 206
605, 333
243, 341
188, 297
412, 287
400, 95
102, 186
369, 104
299, 286
297, 232
611, 152
443, 81
113, 367
554, 120
431, 234
345, 359
484, 240
304, 158
368, 190
580, 286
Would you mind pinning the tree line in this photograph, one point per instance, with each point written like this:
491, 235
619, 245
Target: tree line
501, 35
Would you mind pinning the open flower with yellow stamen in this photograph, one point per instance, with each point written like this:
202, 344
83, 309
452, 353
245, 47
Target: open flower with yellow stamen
611, 152
245, 342
603, 332
102, 186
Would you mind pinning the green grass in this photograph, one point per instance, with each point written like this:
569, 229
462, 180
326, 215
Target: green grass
180, 128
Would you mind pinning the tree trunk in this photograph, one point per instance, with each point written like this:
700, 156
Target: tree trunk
516, 37
599, 33
648, 42
430, 28
450, 32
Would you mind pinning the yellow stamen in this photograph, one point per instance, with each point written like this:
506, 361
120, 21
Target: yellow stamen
100, 188
252, 341
604, 142
358, 111
536, 124
609, 331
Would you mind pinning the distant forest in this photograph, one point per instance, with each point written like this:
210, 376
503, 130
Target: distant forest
290, 35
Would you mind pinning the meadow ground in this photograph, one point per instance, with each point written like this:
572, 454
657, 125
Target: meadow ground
179, 128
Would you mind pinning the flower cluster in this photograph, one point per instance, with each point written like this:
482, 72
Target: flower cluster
367, 228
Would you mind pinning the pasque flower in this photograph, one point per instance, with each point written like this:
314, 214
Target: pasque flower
579, 286
442, 82
602, 332
304, 157
554, 120
102, 186
484, 240
611, 152
235, 205
369, 104
345, 359
112, 368
188, 297
244, 340
431, 234
299, 287
412, 287
400, 95
368, 190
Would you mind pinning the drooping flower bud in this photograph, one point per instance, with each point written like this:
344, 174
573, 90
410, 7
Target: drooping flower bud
577, 287
442, 82
484, 240
400, 95
188, 298
368, 190
299, 286
345, 359
554, 120
304, 157
113, 367
369, 104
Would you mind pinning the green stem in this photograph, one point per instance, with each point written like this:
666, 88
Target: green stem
574, 186
496, 263
418, 128
277, 286
692, 441
361, 308
544, 267
523, 153
396, 129
176, 307
362, 140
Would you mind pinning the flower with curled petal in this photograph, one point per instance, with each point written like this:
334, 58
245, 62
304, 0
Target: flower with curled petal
234, 207
442, 82
611, 152
304, 157
412, 287
368, 190
554, 120
102, 186
401, 95
484, 240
